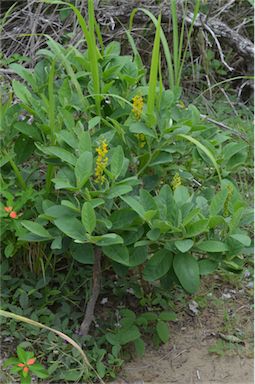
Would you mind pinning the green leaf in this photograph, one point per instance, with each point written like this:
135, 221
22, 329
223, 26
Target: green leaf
88, 217
243, 239
140, 127
22, 355
148, 215
23, 300
72, 375
117, 161
148, 316
212, 246
118, 190
163, 331
184, 245
204, 149
39, 371
134, 204
83, 168
28, 130
94, 121
153, 234
84, 142
152, 91
56, 243
117, 253
147, 201
57, 211
194, 229
101, 369
21, 92
24, 73
36, 228
187, 270
181, 195
139, 347
68, 137
71, 227
122, 218
167, 316
108, 239
138, 256
83, 253
161, 158
207, 266
218, 202
125, 336
158, 265
59, 152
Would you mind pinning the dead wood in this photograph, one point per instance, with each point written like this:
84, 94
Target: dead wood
244, 46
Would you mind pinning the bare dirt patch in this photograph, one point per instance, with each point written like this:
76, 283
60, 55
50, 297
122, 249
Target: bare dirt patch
186, 359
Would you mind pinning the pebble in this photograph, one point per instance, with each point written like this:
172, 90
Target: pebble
250, 284
226, 296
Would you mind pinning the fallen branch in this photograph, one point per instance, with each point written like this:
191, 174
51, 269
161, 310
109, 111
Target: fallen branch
224, 127
216, 27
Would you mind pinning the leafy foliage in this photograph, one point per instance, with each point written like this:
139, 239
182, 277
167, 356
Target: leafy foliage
150, 185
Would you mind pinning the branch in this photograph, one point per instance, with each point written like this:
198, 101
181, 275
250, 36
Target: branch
216, 27
89, 313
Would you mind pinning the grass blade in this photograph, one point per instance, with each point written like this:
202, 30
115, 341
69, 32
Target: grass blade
86, 363
204, 149
153, 75
164, 42
89, 35
175, 40
196, 11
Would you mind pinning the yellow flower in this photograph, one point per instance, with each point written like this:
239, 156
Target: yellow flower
101, 162
137, 106
176, 182
141, 139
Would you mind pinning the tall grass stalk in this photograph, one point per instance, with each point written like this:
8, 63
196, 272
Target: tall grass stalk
86, 363
175, 61
204, 149
196, 11
164, 42
89, 35
51, 113
153, 75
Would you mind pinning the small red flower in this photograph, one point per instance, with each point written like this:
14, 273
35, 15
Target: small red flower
31, 361
21, 365
13, 215
8, 209
25, 369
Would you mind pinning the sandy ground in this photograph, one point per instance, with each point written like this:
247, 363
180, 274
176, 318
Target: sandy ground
186, 359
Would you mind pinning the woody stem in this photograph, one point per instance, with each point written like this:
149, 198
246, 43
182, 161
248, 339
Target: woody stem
89, 313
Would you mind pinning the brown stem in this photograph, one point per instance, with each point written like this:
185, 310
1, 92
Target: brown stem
89, 313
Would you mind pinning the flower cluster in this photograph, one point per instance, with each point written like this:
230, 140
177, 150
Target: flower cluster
176, 182
12, 214
26, 365
101, 162
137, 106
141, 139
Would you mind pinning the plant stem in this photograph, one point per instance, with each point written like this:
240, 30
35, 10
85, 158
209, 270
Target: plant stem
49, 175
89, 313
18, 174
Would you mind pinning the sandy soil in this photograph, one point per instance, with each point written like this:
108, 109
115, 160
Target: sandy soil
186, 360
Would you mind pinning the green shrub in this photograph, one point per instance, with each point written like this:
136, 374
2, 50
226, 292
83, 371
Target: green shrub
117, 173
